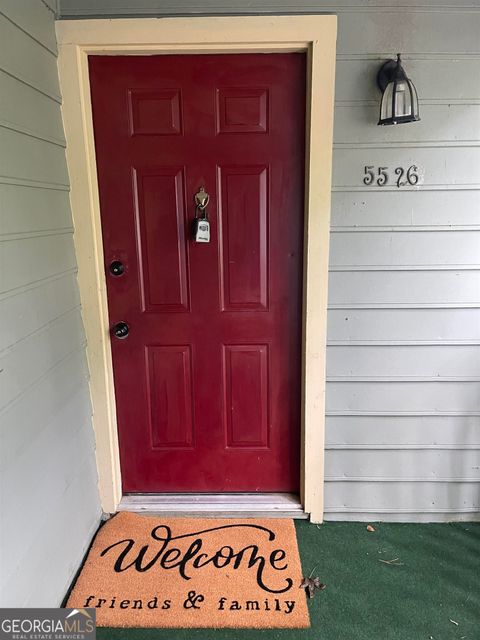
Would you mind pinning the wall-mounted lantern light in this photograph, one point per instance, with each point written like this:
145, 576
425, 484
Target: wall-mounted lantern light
399, 100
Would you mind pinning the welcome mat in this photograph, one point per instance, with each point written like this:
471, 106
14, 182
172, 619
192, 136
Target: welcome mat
192, 572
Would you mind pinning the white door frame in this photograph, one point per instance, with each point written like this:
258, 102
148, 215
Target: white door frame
314, 34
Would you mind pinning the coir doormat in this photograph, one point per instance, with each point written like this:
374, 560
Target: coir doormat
189, 572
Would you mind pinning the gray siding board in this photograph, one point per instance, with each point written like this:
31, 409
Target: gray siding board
384, 31
25, 109
432, 362
441, 125
401, 432
29, 210
48, 395
33, 357
403, 326
407, 210
436, 465
438, 166
78, 498
78, 444
405, 249
35, 20
46, 302
65, 445
405, 515
68, 421
32, 159
460, 81
48, 486
35, 259
418, 289
35, 66
397, 497
403, 398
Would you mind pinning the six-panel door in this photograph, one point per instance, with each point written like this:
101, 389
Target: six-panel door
207, 381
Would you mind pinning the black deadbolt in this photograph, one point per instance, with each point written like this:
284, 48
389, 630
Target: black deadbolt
117, 268
121, 330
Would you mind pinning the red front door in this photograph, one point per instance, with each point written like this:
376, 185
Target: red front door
207, 380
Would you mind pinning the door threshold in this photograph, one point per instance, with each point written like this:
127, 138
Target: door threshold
219, 505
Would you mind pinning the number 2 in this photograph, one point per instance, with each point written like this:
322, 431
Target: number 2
400, 173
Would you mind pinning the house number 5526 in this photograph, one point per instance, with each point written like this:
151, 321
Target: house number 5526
380, 176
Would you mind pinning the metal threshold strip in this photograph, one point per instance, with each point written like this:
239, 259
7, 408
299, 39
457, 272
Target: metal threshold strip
220, 505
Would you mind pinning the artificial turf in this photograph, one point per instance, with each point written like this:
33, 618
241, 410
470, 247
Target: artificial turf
432, 593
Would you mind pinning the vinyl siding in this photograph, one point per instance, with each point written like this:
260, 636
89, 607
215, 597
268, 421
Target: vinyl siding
403, 408
48, 485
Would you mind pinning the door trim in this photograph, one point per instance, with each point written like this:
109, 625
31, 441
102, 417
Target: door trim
313, 34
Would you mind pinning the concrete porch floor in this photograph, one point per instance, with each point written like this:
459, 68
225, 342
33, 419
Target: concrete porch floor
436, 586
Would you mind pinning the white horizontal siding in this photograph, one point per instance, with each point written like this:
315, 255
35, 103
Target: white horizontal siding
34, 356
410, 210
400, 362
401, 432
439, 167
27, 110
48, 493
33, 259
404, 326
355, 79
48, 394
32, 18
418, 289
70, 507
410, 498
66, 443
403, 398
30, 310
392, 31
407, 250
27, 61
440, 125
28, 158
28, 210
403, 412
394, 466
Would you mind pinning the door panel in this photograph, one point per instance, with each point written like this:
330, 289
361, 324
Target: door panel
207, 382
243, 218
246, 376
161, 238
170, 396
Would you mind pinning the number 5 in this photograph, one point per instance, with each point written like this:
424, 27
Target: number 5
369, 175
382, 176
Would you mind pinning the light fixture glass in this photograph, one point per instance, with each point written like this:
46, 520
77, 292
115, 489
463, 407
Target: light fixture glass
399, 100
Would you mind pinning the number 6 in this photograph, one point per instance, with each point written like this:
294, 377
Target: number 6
412, 175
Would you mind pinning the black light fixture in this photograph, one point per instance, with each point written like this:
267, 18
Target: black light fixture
399, 100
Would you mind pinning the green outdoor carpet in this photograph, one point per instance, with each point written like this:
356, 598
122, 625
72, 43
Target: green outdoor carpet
436, 586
